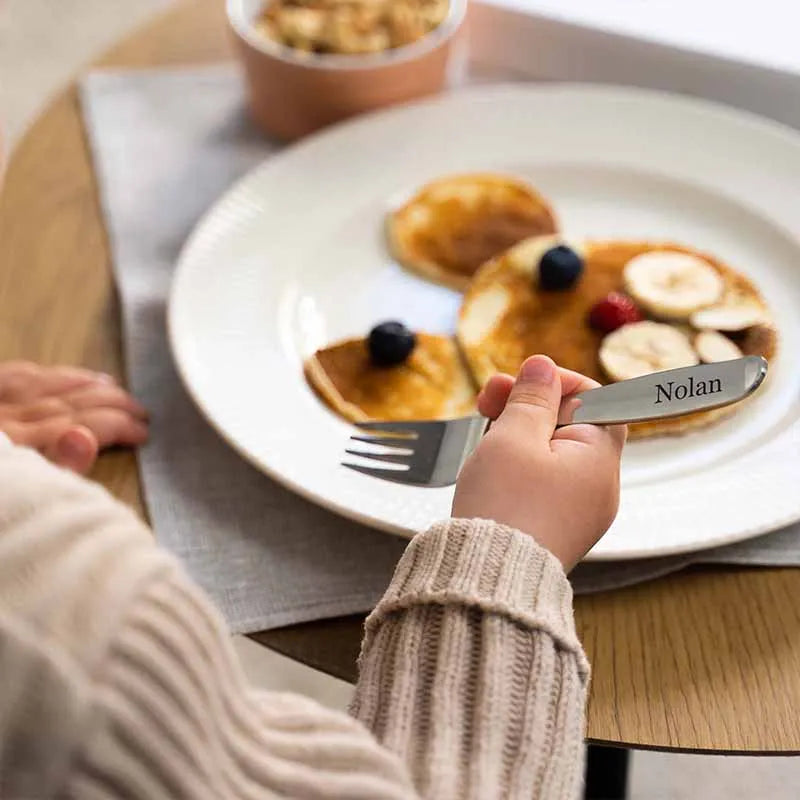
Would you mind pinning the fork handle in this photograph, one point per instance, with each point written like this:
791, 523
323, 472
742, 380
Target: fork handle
661, 395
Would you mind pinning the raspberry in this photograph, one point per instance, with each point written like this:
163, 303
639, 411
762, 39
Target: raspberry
613, 312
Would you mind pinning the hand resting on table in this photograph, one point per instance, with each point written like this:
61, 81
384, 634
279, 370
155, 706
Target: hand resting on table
67, 413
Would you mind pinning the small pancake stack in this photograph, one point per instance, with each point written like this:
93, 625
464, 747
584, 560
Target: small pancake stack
611, 310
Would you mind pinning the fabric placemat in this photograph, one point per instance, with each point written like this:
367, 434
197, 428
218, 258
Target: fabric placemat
166, 144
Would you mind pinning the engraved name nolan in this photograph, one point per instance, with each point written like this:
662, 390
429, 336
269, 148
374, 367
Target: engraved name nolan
691, 388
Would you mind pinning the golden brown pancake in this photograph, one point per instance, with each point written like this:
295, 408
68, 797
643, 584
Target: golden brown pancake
454, 224
504, 318
433, 383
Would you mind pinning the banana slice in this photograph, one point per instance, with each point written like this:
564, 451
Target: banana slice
644, 347
728, 317
672, 285
713, 346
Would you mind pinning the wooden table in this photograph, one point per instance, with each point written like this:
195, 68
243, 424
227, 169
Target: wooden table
705, 660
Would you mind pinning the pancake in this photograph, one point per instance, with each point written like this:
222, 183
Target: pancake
433, 383
451, 226
504, 318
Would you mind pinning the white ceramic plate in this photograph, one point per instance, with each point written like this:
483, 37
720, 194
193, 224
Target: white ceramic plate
293, 258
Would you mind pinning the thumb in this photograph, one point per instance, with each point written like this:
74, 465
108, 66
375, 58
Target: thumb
534, 400
76, 449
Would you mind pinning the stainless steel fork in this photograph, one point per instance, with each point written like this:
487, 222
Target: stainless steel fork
431, 453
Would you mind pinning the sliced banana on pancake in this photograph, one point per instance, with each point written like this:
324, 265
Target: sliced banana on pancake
429, 381
454, 224
644, 347
506, 316
672, 285
713, 346
729, 317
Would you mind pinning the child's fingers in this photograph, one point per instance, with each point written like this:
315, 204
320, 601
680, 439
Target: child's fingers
76, 449
36, 410
532, 407
25, 381
593, 435
103, 395
95, 395
619, 433
72, 439
573, 382
57, 380
112, 426
494, 395
40, 435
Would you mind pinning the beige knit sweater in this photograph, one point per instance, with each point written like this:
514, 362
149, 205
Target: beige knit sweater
117, 678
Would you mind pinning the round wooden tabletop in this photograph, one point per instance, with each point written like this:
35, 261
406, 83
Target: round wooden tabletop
703, 660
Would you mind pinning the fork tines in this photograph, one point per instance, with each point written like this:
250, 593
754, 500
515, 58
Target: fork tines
422, 453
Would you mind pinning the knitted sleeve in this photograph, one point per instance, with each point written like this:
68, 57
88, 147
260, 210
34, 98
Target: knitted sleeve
471, 670
119, 679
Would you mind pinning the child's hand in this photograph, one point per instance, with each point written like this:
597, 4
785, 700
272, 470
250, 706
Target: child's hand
67, 413
559, 486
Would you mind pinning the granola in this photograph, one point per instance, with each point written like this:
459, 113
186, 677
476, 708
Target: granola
349, 26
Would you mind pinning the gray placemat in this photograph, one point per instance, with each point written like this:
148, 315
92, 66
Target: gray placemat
166, 143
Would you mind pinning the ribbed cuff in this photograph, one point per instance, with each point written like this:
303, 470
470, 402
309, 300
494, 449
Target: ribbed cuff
481, 564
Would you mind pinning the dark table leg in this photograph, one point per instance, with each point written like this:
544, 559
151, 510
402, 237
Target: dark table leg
606, 773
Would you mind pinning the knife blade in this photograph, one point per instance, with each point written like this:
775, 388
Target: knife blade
669, 393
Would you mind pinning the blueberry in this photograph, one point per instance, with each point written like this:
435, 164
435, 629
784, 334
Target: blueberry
559, 268
390, 343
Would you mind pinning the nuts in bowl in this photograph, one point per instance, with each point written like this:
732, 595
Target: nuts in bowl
349, 26
309, 63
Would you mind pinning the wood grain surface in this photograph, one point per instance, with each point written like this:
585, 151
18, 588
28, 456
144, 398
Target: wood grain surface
706, 660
